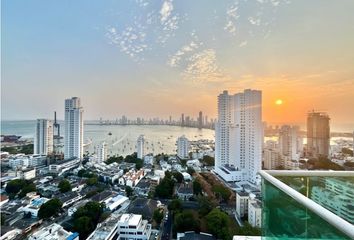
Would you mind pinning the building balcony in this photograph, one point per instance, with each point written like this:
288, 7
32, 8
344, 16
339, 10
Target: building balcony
294, 205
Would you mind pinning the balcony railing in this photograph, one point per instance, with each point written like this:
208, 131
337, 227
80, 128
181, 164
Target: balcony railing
289, 211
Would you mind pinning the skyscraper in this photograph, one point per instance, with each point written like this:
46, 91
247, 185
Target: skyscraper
238, 132
290, 143
182, 120
200, 120
318, 134
73, 128
140, 147
102, 152
183, 147
43, 142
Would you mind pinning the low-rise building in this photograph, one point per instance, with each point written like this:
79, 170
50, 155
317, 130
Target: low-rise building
118, 202
254, 212
34, 206
185, 191
53, 232
131, 178
241, 203
131, 226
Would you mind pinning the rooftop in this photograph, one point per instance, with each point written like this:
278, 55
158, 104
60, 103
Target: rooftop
130, 219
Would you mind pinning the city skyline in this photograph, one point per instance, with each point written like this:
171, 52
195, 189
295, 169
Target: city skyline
145, 65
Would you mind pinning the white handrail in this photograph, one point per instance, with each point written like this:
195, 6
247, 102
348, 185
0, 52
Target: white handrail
325, 214
304, 173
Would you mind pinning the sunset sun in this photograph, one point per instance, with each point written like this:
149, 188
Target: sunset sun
279, 102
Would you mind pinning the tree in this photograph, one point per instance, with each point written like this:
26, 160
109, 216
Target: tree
178, 176
165, 187
197, 187
50, 208
117, 159
221, 192
185, 221
64, 186
158, 216
128, 191
248, 230
92, 181
190, 170
175, 205
83, 226
218, 224
14, 186
20, 187
205, 205
30, 187
208, 161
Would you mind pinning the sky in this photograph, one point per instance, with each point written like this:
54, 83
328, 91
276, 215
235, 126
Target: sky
167, 57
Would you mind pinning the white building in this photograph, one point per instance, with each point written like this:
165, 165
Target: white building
102, 152
140, 147
34, 206
183, 147
73, 128
238, 134
241, 203
149, 159
132, 226
290, 143
43, 140
53, 232
255, 213
271, 159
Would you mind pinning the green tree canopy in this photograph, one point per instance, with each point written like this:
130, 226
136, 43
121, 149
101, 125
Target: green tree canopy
218, 224
221, 192
205, 205
84, 226
185, 221
165, 188
208, 161
64, 186
50, 208
197, 187
128, 191
158, 216
178, 176
175, 205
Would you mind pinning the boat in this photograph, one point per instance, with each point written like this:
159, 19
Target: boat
110, 134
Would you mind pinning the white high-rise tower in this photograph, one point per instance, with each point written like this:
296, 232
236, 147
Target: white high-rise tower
183, 146
238, 132
140, 147
43, 141
73, 128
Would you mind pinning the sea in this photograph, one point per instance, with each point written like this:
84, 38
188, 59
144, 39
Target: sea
120, 139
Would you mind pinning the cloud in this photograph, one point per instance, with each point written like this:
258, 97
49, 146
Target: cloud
202, 67
166, 10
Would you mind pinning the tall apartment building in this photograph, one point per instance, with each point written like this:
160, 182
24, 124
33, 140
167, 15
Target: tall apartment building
318, 134
43, 141
200, 120
238, 133
102, 152
290, 143
73, 128
140, 147
183, 147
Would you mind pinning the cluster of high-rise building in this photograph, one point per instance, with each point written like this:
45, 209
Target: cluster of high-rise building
73, 146
185, 121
